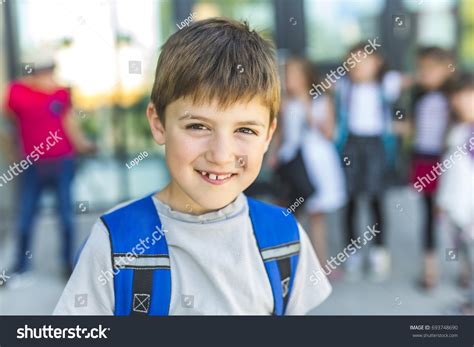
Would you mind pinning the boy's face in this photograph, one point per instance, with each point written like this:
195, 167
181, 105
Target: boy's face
432, 73
227, 145
295, 79
367, 69
462, 102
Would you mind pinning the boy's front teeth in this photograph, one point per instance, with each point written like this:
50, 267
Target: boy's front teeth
215, 177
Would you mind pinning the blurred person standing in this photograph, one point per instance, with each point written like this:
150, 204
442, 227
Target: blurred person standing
455, 195
365, 138
49, 137
430, 123
306, 130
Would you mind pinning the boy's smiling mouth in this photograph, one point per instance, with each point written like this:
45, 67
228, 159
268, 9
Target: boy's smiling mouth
215, 177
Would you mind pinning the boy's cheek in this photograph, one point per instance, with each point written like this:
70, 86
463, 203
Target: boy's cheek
254, 165
250, 154
179, 154
181, 145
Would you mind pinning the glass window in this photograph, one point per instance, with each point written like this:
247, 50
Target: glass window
106, 51
259, 13
436, 22
332, 26
466, 49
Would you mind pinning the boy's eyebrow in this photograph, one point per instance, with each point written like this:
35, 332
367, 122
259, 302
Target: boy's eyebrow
187, 115
251, 122
246, 122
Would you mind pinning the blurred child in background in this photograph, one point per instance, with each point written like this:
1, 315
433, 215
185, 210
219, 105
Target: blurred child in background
308, 125
455, 194
49, 137
430, 122
364, 132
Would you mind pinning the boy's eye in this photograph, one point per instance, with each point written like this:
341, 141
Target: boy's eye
196, 126
247, 131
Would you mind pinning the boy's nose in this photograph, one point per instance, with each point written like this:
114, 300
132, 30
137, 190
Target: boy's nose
220, 151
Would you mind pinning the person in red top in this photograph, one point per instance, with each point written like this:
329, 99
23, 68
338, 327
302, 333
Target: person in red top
49, 138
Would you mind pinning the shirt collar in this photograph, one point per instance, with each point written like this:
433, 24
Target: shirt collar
236, 207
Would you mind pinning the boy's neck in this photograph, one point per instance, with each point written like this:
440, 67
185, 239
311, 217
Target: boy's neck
364, 81
302, 96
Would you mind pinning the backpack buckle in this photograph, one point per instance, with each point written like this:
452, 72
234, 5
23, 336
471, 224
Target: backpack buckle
285, 286
141, 303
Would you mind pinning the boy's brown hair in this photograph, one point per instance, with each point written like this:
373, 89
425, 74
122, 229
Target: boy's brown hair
360, 47
434, 52
220, 59
464, 81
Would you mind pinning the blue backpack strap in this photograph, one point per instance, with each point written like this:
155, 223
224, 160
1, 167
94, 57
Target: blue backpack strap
389, 138
341, 98
278, 240
140, 259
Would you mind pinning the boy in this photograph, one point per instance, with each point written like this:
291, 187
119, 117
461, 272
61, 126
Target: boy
455, 195
200, 246
365, 138
430, 106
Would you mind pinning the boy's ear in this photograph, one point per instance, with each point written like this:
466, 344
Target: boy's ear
157, 128
271, 131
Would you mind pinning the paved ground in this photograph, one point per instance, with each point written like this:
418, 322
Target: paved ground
399, 295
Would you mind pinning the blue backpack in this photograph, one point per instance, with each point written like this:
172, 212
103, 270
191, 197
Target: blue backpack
143, 285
